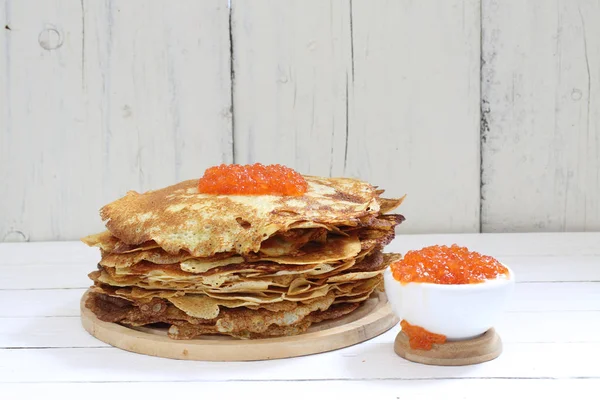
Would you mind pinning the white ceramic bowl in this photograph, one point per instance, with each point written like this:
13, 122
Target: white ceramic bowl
457, 311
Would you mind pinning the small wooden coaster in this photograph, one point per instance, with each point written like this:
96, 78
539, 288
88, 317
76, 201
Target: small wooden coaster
465, 352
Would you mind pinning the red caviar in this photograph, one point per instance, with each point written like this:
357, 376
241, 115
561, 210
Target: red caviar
255, 179
452, 265
420, 338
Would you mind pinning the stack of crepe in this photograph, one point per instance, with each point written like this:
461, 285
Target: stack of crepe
244, 266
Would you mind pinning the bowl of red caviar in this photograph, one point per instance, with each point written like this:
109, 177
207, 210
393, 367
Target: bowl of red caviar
447, 293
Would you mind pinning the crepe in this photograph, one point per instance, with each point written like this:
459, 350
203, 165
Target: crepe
244, 266
179, 218
238, 318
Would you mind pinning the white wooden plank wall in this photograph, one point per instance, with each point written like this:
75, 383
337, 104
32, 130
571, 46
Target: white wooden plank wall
541, 108
342, 88
414, 108
98, 98
291, 61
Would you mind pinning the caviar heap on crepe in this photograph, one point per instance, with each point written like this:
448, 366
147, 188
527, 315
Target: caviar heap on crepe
247, 251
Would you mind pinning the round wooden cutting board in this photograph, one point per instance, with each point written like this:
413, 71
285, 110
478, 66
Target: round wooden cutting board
371, 319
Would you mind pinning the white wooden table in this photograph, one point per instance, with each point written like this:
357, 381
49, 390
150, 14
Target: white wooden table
551, 334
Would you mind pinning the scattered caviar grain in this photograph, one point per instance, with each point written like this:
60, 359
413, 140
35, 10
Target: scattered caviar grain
255, 179
420, 338
452, 265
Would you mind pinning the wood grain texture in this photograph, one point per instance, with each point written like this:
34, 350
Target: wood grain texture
368, 361
534, 257
513, 327
74, 275
43, 129
105, 97
541, 115
528, 297
292, 62
501, 245
456, 388
414, 108
97, 98
549, 332
463, 352
342, 88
